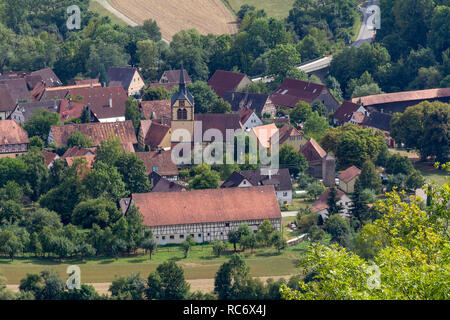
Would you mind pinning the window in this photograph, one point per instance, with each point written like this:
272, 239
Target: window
199, 235
192, 235
172, 237
284, 194
157, 237
208, 234
156, 169
227, 224
163, 237
221, 233
179, 114
184, 114
181, 236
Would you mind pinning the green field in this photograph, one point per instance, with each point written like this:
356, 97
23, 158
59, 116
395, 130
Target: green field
201, 264
274, 8
431, 174
98, 8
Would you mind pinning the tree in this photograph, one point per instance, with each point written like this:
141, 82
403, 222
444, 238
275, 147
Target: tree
230, 276
369, 178
218, 247
399, 164
315, 126
11, 191
78, 139
36, 142
315, 189
415, 180
109, 151
156, 93
106, 181
234, 238
132, 113
277, 240
339, 229
131, 287
11, 212
366, 90
151, 27
104, 55
204, 178
205, 97
319, 107
187, 244
248, 241
40, 122
132, 169
96, 211
333, 206
85, 293
85, 116
301, 112
265, 230
167, 283
62, 247
292, 160
220, 106
53, 286
281, 59
437, 36
10, 244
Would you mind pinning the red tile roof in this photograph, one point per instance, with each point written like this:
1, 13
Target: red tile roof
223, 81
49, 157
313, 151
156, 109
78, 152
344, 113
208, 206
245, 113
292, 91
156, 134
173, 76
220, 121
403, 96
7, 103
69, 110
322, 201
161, 160
98, 132
12, 133
286, 132
349, 174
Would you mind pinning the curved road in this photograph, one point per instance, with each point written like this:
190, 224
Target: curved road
367, 31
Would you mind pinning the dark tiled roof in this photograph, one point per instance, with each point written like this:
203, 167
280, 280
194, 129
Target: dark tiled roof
253, 101
164, 185
349, 174
156, 109
223, 81
286, 132
245, 113
345, 111
121, 76
12, 133
173, 76
220, 121
18, 89
47, 75
313, 151
7, 103
155, 134
98, 132
161, 160
28, 108
322, 202
292, 91
281, 180
379, 120
62, 92
32, 81
207, 206
49, 157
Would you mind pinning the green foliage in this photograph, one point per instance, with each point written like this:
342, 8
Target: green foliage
132, 113
399, 164
78, 139
218, 247
106, 181
187, 245
155, 93
292, 160
131, 287
205, 97
369, 178
204, 178
315, 189
36, 142
40, 122
167, 283
301, 112
96, 211
316, 126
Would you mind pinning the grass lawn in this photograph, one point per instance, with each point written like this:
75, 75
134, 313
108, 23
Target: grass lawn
431, 174
201, 264
298, 204
94, 6
274, 8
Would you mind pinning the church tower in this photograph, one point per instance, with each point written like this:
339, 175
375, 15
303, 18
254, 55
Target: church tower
182, 111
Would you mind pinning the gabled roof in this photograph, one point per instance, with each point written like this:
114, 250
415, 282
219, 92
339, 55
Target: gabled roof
12, 133
162, 160
98, 132
164, 185
61, 92
264, 133
78, 82
49, 157
292, 91
155, 133
253, 101
48, 76
207, 206
173, 76
281, 180
359, 117
220, 121
156, 109
403, 96
69, 110
245, 113
99, 99
78, 152
89, 161
345, 111
379, 120
286, 132
28, 108
349, 174
169, 86
313, 151
121, 76
223, 81
7, 103
322, 202
18, 89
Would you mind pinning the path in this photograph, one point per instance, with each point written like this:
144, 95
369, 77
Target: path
366, 33
203, 285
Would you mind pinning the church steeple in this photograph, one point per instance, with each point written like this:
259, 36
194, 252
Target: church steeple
182, 82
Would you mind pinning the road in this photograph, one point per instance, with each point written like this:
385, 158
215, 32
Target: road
367, 32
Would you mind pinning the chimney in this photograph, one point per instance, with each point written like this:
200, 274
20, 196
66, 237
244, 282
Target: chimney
92, 84
70, 104
110, 102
